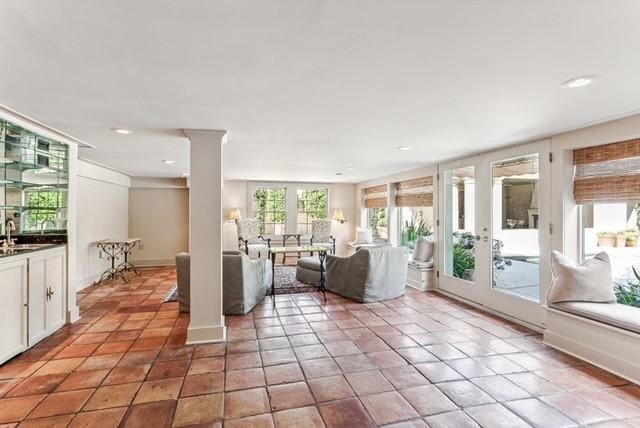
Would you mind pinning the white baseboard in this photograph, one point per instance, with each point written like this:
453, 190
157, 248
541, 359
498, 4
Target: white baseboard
209, 334
73, 314
171, 261
489, 310
85, 282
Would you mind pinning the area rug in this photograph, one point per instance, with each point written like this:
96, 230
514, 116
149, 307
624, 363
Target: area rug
286, 282
173, 295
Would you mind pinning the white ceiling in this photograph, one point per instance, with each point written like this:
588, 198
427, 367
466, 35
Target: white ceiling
308, 88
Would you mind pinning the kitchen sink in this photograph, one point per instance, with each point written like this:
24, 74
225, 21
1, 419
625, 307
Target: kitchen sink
20, 248
24, 247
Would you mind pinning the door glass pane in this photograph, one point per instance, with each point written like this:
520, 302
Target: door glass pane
516, 248
459, 223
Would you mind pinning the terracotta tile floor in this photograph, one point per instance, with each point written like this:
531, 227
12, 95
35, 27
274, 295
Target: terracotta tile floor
420, 360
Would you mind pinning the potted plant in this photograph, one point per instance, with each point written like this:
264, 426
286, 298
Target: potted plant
632, 237
606, 239
464, 262
621, 239
414, 230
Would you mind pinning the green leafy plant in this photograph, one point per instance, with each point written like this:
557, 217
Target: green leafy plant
464, 262
413, 230
628, 293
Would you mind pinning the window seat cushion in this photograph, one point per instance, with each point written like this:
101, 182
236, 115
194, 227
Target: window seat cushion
621, 316
421, 265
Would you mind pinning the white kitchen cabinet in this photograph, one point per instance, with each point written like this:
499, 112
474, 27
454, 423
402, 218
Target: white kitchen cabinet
32, 303
46, 293
13, 308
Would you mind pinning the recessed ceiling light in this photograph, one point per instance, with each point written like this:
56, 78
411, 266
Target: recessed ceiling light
168, 162
338, 173
578, 82
351, 168
122, 131
404, 148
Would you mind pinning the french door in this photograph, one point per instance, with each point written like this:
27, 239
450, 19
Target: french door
494, 230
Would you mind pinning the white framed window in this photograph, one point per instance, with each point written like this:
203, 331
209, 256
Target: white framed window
414, 222
269, 207
377, 219
312, 204
614, 228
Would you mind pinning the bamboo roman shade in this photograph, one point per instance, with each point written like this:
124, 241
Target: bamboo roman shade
415, 193
610, 172
375, 197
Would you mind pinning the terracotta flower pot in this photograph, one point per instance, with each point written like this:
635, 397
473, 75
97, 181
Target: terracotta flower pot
606, 241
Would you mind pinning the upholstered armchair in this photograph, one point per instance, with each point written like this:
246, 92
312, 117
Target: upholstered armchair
245, 282
370, 275
249, 236
321, 235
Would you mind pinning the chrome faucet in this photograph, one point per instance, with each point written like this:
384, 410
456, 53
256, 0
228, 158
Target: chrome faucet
45, 222
10, 226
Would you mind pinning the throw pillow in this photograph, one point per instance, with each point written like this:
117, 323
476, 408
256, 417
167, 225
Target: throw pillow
423, 251
364, 236
589, 281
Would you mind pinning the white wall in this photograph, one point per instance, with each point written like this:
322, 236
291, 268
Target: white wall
235, 194
159, 216
102, 213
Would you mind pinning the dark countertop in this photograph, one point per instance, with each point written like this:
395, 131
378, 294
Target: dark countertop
37, 238
41, 247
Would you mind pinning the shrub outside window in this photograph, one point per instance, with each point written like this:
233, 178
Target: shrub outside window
270, 209
377, 220
415, 222
313, 204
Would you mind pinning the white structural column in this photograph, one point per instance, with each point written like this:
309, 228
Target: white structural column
205, 236
73, 312
496, 196
469, 204
455, 206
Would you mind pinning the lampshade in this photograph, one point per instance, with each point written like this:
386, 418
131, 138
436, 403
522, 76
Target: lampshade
338, 216
234, 214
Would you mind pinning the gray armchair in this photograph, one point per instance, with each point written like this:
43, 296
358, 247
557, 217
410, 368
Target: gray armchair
244, 282
369, 275
183, 268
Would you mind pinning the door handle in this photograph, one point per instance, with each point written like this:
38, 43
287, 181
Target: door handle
49, 293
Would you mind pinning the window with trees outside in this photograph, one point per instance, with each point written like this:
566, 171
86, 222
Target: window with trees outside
312, 204
42, 210
269, 207
377, 219
605, 187
614, 229
415, 222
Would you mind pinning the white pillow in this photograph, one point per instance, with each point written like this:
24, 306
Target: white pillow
423, 251
586, 282
364, 236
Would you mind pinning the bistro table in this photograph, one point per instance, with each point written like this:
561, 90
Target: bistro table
113, 248
322, 254
285, 238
